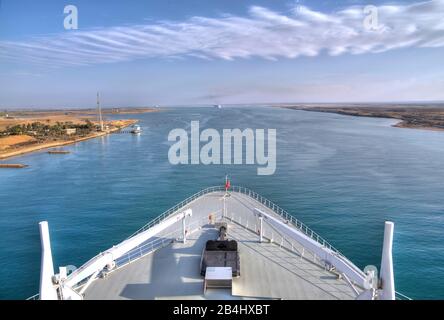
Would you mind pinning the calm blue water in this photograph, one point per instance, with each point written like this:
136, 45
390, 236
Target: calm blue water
343, 176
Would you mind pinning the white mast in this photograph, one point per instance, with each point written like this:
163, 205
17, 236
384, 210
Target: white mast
99, 111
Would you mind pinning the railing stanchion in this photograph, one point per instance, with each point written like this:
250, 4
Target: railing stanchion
266, 202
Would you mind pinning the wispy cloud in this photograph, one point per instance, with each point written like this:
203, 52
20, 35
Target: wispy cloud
261, 33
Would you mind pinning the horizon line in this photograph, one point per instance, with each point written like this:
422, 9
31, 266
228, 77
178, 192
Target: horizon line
411, 102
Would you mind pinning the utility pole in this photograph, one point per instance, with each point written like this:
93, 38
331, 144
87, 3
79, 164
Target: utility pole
99, 111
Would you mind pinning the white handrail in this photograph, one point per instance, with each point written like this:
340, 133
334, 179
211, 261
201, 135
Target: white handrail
342, 266
284, 214
34, 297
239, 189
109, 256
149, 247
400, 296
146, 249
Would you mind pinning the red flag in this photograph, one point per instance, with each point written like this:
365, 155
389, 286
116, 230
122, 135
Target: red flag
227, 184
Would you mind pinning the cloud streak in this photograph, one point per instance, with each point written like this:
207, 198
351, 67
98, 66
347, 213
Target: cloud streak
262, 33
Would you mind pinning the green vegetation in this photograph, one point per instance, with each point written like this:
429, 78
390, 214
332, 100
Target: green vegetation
44, 131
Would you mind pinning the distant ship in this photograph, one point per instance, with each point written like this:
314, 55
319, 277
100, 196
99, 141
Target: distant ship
136, 129
224, 242
218, 106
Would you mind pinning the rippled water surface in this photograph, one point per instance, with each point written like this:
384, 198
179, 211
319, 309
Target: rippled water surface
342, 176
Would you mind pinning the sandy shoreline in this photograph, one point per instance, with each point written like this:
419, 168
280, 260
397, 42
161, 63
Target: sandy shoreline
403, 125
54, 144
430, 119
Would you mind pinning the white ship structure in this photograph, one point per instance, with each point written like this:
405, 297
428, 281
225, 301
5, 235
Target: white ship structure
136, 129
221, 243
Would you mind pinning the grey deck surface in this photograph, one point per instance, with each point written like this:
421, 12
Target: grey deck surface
268, 271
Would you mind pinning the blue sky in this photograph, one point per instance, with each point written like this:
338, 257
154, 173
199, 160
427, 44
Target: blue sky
141, 53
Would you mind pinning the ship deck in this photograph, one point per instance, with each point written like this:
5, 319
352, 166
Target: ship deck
273, 269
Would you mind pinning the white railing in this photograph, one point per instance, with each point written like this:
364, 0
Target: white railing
151, 246
146, 249
264, 201
400, 296
176, 208
288, 217
160, 242
274, 207
34, 297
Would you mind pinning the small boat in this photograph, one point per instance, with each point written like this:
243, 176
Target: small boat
136, 129
13, 165
218, 106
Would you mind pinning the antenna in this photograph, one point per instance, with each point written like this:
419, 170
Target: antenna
99, 111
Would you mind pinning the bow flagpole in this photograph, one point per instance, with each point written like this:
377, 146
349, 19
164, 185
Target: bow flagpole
227, 194
227, 184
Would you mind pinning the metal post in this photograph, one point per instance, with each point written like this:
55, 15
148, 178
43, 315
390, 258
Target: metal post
184, 231
99, 110
387, 275
261, 230
224, 208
